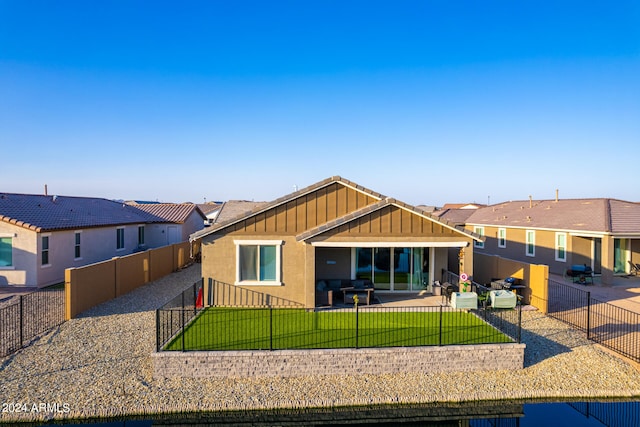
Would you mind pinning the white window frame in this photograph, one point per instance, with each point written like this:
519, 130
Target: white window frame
48, 250
12, 266
77, 246
558, 247
530, 243
479, 230
502, 237
119, 248
278, 244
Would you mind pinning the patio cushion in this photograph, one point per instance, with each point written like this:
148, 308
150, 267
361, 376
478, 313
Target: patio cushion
321, 286
503, 299
358, 284
464, 300
335, 284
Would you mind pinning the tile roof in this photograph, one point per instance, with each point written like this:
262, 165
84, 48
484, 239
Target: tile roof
171, 212
462, 206
455, 216
581, 215
48, 213
624, 216
235, 208
210, 207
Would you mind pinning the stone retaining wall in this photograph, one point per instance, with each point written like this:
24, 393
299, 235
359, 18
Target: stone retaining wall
291, 363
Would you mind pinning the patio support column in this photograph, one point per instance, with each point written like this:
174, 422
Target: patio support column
607, 260
465, 257
309, 276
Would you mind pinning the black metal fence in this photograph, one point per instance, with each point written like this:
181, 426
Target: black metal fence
269, 328
611, 414
220, 294
29, 316
176, 314
611, 326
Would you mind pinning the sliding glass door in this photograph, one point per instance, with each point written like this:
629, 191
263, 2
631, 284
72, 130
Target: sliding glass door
393, 269
620, 255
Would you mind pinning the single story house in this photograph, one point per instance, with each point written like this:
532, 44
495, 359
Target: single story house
334, 229
180, 220
42, 235
602, 233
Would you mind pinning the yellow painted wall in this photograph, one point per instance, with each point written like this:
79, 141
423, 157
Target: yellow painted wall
534, 276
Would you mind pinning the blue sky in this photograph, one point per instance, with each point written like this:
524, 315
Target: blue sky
429, 102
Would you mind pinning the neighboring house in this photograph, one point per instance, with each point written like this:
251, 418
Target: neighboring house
334, 229
462, 206
180, 221
604, 234
210, 210
458, 216
41, 236
235, 208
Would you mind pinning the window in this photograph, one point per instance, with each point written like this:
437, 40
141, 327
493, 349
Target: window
258, 262
140, 235
77, 253
119, 238
480, 232
45, 250
6, 252
531, 243
561, 247
502, 237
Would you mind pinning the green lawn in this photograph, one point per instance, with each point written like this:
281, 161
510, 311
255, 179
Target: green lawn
253, 329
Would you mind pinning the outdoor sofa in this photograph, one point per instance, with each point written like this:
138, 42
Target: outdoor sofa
330, 291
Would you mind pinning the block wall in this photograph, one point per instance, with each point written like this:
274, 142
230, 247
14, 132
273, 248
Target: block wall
291, 363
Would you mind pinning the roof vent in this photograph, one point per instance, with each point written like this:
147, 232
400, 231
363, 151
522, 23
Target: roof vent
528, 218
54, 198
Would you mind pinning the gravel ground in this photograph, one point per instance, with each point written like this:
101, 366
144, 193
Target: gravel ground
100, 365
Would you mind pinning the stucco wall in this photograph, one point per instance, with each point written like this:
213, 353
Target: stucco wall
219, 263
23, 271
578, 248
293, 363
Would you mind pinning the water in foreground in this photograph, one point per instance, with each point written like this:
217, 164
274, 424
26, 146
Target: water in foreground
474, 414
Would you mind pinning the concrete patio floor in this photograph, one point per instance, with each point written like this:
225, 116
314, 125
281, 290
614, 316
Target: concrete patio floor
623, 291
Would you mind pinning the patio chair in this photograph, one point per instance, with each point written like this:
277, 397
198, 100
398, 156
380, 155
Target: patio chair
634, 268
447, 290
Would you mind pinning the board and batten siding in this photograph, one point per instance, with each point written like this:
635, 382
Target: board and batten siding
305, 212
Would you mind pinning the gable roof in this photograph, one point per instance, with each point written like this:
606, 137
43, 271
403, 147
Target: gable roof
210, 207
49, 213
171, 212
234, 208
381, 202
578, 215
454, 216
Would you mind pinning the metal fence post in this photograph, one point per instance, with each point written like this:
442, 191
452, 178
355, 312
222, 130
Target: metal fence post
357, 325
588, 315
157, 330
519, 323
271, 328
21, 321
440, 332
